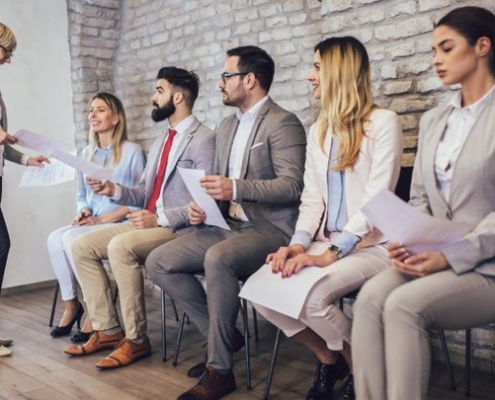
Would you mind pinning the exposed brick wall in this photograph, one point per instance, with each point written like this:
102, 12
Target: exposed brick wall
119, 45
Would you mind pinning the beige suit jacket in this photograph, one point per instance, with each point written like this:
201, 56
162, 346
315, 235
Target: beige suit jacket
472, 196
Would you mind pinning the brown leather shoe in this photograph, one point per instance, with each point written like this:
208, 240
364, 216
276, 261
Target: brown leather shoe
97, 341
211, 386
125, 353
197, 370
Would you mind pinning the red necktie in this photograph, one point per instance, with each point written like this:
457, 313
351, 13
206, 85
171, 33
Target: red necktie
161, 171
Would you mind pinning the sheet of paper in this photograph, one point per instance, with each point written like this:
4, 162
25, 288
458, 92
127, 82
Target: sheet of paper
284, 295
51, 174
58, 150
191, 178
419, 232
41, 143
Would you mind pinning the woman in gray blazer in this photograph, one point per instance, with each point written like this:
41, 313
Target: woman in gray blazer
453, 178
8, 44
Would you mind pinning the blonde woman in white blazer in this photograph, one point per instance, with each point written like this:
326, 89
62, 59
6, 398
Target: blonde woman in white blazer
354, 150
453, 178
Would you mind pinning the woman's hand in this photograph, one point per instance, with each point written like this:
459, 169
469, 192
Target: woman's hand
37, 161
418, 265
81, 216
296, 264
280, 257
5, 138
90, 220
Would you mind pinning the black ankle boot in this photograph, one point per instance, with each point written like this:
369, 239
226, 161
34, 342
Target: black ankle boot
325, 378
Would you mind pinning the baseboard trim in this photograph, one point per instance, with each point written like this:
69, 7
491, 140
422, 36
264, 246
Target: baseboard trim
29, 287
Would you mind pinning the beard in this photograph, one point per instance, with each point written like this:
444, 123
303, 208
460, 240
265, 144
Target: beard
236, 98
164, 112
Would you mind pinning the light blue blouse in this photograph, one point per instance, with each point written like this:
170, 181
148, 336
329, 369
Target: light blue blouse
127, 173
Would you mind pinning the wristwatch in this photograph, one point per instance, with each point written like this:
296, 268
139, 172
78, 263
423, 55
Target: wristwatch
336, 250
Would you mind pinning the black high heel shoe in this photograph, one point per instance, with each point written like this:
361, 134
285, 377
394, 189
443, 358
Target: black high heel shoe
65, 330
81, 337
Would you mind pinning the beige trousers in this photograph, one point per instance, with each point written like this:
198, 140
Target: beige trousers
319, 312
392, 316
126, 248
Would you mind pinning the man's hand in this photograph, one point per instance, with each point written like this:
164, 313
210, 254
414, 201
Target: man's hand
418, 265
218, 187
37, 161
6, 138
196, 214
143, 219
280, 257
103, 189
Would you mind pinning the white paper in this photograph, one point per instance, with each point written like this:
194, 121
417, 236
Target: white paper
284, 295
191, 178
58, 150
418, 231
51, 174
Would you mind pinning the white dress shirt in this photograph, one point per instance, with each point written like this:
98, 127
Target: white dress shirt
246, 122
459, 125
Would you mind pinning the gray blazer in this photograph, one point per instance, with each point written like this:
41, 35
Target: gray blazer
9, 152
195, 151
472, 196
272, 170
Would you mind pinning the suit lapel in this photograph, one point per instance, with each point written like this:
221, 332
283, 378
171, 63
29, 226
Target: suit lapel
3, 116
252, 135
188, 135
223, 153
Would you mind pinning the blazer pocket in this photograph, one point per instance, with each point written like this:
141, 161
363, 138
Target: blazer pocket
254, 146
185, 164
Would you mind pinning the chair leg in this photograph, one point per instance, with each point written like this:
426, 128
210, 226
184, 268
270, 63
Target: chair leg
164, 327
255, 322
266, 394
174, 307
179, 339
247, 356
468, 363
54, 304
445, 351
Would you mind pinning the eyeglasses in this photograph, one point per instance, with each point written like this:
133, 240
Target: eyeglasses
225, 75
7, 53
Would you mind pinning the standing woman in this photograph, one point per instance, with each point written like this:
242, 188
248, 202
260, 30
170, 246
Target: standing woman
8, 44
453, 178
108, 147
354, 150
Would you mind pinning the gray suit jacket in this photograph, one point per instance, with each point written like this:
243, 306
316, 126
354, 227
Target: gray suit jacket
196, 151
9, 152
472, 196
272, 169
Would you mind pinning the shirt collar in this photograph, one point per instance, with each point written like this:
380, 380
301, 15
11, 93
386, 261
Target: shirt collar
476, 107
183, 125
253, 112
97, 149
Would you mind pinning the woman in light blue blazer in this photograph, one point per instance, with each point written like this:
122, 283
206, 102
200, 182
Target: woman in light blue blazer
110, 148
453, 178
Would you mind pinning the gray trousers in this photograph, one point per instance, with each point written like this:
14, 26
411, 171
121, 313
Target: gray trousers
224, 257
392, 315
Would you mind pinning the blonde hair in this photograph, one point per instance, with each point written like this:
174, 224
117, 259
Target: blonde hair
346, 96
120, 129
7, 38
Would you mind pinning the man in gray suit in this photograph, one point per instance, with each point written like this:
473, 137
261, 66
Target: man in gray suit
258, 181
162, 192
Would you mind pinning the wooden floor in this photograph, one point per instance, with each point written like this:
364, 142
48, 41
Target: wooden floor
39, 369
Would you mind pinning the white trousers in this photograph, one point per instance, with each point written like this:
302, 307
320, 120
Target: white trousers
319, 312
59, 249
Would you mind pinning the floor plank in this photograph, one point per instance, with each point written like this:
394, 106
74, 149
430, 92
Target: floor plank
40, 370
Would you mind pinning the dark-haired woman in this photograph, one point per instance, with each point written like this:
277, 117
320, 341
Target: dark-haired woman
454, 178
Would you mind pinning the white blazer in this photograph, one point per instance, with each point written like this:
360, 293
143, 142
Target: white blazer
377, 168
